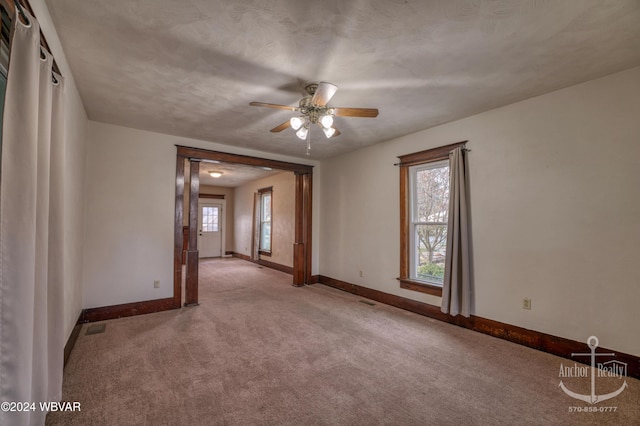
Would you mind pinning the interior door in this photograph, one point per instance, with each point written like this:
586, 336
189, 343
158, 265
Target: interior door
210, 229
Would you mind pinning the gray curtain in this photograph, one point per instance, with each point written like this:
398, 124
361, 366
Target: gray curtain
31, 230
456, 289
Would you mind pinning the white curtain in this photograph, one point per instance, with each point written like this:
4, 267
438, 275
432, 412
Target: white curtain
456, 289
31, 229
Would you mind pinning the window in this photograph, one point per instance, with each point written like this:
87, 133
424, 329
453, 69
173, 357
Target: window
429, 200
424, 210
265, 220
210, 219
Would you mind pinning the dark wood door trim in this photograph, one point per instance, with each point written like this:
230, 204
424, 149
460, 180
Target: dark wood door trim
213, 196
225, 157
303, 215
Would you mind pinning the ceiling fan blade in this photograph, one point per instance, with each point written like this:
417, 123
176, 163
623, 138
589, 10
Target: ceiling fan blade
281, 127
324, 93
355, 112
336, 133
264, 104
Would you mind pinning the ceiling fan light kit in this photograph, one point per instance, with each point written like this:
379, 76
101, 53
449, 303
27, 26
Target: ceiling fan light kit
302, 132
313, 109
327, 121
329, 131
296, 122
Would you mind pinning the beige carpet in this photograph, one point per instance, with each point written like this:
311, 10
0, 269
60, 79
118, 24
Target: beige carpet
259, 351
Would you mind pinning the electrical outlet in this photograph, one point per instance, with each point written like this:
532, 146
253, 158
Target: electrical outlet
156, 284
361, 273
526, 303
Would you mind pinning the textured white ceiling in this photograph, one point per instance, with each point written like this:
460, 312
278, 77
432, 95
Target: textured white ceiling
191, 67
233, 175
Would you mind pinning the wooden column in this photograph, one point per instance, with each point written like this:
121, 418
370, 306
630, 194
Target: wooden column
302, 245
185, 243
298, 245
191, 287
178, 244
306, 227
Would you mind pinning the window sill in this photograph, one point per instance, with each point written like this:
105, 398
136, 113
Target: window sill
265, 253
420, 287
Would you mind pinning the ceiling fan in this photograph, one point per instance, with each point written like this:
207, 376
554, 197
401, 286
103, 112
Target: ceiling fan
313, 109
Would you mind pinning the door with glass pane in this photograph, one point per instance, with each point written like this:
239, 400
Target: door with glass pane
210, 230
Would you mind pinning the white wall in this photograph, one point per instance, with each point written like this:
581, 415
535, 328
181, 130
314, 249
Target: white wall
554, 204
74, 157
283, 217
130, 193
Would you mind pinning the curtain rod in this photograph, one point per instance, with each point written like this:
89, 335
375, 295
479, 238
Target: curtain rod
435, 154
18, 6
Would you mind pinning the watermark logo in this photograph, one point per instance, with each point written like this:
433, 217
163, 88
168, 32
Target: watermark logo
616, 369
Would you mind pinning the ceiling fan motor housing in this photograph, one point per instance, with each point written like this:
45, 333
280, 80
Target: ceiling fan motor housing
313, 112
311, 88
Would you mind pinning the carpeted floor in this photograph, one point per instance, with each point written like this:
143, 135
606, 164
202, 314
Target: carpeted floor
259, 351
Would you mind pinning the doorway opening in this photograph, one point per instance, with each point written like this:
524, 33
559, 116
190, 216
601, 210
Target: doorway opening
211, 228
188, 241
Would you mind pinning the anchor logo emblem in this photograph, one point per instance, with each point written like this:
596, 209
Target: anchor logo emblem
592, 342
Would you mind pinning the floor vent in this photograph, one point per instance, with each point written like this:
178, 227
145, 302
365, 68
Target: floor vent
366, 302
95, 329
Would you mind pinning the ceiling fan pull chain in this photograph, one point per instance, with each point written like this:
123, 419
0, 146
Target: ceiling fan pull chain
309, 143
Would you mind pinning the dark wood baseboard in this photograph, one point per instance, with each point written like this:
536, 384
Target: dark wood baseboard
228, 253
534, 339
268, 264
276, 266
314, 279
72, 338
241, 256
128, 310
